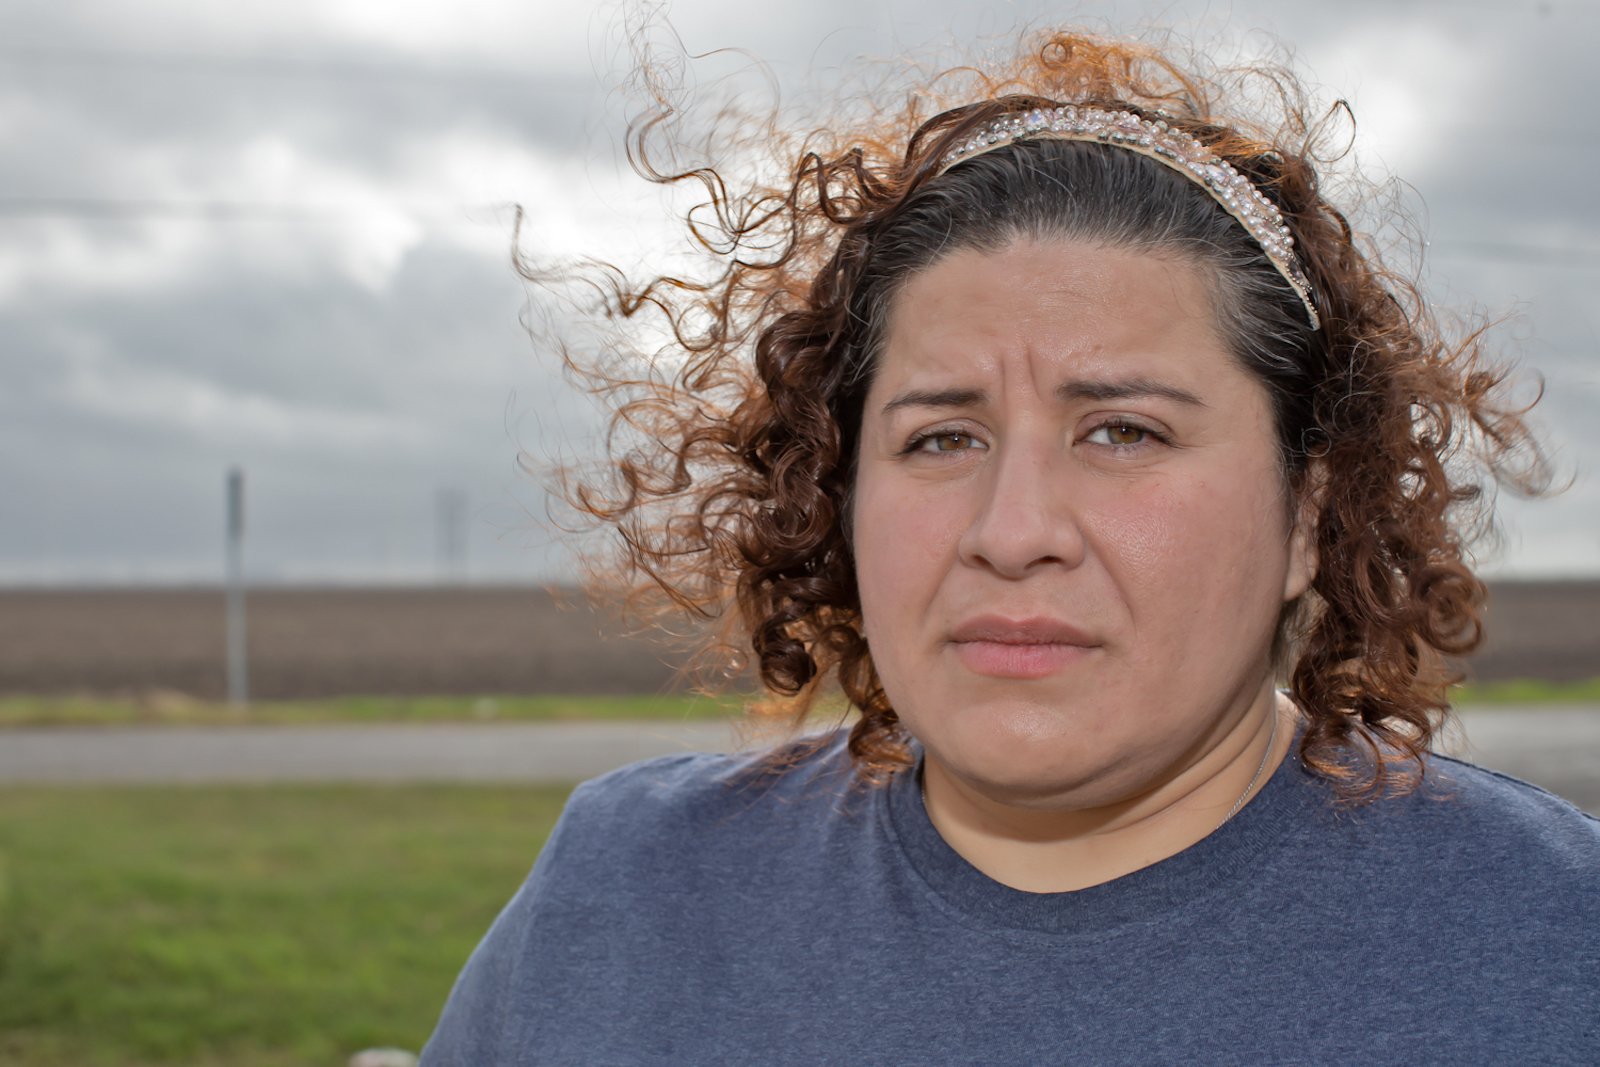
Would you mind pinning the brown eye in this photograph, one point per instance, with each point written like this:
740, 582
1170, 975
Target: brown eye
951, 442
1124, 435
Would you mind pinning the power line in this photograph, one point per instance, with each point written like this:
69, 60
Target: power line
95, 209
259, 66
209, 210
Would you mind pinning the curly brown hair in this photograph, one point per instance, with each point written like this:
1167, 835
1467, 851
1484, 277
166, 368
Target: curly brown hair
730, 463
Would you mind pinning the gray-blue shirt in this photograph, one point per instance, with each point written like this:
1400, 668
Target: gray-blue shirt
694, 911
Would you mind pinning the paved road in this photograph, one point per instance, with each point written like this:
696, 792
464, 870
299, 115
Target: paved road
1558, 748
501, 752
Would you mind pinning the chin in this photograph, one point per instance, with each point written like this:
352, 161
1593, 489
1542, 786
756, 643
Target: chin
1026, 748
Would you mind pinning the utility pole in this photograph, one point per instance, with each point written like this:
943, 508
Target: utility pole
238, 678
450, 535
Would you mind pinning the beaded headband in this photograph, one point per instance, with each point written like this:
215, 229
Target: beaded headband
1235, 192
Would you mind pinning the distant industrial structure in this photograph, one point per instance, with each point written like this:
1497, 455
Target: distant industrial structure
450, 516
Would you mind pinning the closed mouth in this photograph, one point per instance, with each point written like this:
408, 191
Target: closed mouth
1036, 647
1038, 630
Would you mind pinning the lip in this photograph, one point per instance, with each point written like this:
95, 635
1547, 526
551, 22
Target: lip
1035, 647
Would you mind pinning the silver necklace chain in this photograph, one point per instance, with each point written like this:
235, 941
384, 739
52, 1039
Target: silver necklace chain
1265, 756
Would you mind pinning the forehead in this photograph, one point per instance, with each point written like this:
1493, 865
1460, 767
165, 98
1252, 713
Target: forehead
1058, 307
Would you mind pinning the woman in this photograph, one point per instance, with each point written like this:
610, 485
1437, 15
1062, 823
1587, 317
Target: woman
1057, 428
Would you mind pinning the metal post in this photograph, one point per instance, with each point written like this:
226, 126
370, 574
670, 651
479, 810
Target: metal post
450, 535
238, 679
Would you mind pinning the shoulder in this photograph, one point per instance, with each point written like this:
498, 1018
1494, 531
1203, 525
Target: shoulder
1508, 816
652, 851
670, 821
696, 793
1478, 831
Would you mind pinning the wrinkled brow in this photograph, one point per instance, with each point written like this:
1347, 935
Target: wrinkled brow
1131, 389
1074, 390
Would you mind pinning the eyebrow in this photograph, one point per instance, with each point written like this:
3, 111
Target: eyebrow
1124, 390
941, 398
1073, 390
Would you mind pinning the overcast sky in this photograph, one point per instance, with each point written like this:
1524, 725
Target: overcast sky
275, 234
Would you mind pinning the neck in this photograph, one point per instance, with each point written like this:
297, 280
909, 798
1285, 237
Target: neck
1054, 851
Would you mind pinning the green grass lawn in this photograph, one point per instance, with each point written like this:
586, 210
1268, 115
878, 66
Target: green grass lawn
1529, 691
247, 926
177, 710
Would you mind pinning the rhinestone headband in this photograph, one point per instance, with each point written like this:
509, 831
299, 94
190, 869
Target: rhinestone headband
1236, 193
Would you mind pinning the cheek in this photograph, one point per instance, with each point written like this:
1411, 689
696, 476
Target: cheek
905, 541
1189, 549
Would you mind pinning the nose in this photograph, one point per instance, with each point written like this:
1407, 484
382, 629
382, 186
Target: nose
1025, 520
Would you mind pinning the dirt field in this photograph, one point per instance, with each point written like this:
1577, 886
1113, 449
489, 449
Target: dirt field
311, 643
1546, 630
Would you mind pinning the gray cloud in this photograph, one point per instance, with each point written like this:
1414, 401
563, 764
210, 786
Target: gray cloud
314, 285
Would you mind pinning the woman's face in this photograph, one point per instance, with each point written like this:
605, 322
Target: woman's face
1071, 528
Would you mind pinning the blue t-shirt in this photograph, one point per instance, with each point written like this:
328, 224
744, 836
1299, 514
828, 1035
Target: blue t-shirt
694, 911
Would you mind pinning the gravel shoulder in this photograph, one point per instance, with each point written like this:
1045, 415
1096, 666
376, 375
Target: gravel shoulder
510, 752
